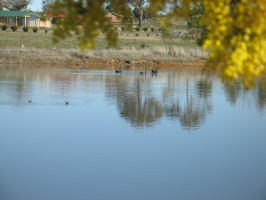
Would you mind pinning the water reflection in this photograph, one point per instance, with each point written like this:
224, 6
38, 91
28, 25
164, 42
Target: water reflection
176, 94
135, 99
125, 136
261, 96
237, 93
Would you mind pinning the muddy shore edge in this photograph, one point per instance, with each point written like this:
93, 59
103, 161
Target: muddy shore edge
104, 57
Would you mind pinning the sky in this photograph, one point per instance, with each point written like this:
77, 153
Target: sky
36, 5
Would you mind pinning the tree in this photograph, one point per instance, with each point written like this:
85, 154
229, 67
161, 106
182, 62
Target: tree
140, 6
3, 4
46, 4
112, 6
109, 8
18, 4
235, 38
145, 15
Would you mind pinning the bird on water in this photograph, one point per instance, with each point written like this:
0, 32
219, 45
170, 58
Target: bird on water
154, 71
143, 72
66, 102
119, 71
30, 101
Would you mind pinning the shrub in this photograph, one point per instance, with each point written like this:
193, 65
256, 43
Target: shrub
35, 29
152, 29
46, 30
148, 34
137, 28
115, 28
4, 26
127, 34
14, 27
137, 34
122, 28
25, 28
143, 46
78, 31
145, 29
157, 34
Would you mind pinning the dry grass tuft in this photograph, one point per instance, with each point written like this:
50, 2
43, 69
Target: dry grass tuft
157, 53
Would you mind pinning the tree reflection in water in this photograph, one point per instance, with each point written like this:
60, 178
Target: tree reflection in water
182, 95
261, 93
196, 103
145, 101
134, 100
233, 92
141, 112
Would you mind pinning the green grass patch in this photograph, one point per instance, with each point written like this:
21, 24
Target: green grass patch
42, 40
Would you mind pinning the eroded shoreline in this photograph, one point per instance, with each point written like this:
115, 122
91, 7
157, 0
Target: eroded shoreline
147, 57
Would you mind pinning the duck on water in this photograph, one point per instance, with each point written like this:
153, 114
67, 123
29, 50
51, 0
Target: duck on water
143, 72
154, 71
119, 71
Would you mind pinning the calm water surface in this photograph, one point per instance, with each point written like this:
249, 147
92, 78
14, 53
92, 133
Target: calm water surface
177, 135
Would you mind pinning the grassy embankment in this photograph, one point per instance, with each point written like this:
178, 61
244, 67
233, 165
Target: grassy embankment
38, 47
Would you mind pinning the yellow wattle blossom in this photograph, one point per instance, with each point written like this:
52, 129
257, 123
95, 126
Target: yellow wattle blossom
243, 29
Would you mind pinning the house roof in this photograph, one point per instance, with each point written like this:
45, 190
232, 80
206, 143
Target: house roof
60, 15
8, 13
44, 14
112, 13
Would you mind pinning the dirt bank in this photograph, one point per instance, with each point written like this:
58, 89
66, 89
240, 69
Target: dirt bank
115, 63
147, 57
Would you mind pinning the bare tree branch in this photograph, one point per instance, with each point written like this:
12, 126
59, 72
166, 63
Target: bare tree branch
46, 4
3, 4
18, 4
139, 6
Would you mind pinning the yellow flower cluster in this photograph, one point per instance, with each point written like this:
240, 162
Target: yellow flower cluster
236, 38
